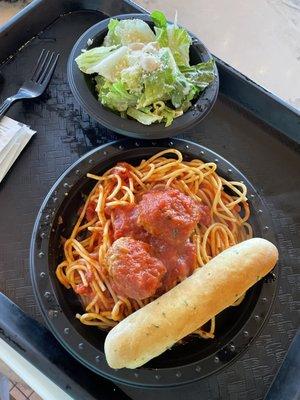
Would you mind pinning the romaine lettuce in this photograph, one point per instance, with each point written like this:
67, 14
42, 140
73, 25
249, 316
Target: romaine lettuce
112, 38
131, 77
143, 116
128, 31
148, 115
159, 19
179, 42
143, 75
111, 66
114, 95
159, 85
90, 58
167, 113
200, 75
177, 39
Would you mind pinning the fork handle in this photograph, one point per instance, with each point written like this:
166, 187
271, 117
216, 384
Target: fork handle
5, 105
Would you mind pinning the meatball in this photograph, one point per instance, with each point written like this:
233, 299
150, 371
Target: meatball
134, 271
169, 214
180, 260
123, 220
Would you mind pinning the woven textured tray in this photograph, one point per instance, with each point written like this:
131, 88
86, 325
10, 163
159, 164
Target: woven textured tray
64, 133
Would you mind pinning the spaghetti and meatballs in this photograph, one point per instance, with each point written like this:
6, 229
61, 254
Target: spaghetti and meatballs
144, 229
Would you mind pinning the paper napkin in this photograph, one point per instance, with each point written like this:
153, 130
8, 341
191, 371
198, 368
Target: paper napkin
13, 138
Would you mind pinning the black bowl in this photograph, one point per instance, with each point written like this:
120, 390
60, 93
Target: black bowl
82, 87
236, 326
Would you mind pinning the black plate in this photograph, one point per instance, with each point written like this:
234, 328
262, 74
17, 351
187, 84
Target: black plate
236, 326
82, 87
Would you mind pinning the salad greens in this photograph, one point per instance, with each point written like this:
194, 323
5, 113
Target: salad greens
143, 74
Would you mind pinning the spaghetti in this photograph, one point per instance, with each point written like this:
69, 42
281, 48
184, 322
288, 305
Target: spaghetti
85, 269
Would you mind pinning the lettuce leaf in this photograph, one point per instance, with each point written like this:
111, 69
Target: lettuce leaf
168, 114
162, 36
172, 36
143, 115
114, 95
158, 113
166, 83
111, 66
159, 85
128, 31
112, 38
131, 77
88, 59
160, 27
159, 19
184, 91
148, 115
200, 75
179, 42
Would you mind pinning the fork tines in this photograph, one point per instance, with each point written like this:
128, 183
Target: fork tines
44, 67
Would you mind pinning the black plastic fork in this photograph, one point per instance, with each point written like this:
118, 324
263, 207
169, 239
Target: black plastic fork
37, 84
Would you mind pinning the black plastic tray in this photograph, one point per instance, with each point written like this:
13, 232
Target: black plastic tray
251, 128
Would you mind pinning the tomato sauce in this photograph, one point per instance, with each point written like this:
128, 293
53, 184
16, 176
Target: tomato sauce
122, 169
164, 219
170, 214
180, 261
84, 290
135, 272
90, 212
124, 222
